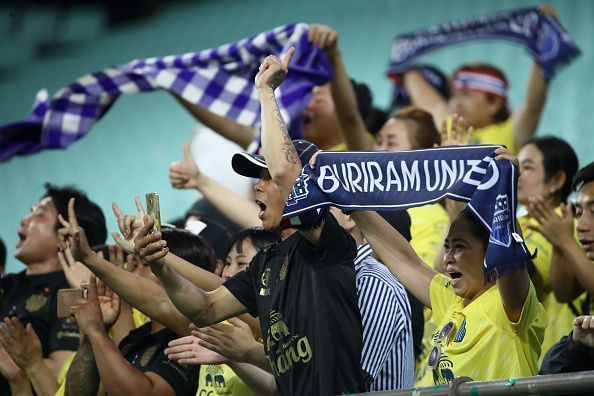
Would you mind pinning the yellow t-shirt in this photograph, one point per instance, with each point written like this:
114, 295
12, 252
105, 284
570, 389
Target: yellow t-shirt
220, 379
428, 227
485, 345
560, 314
499, 133
62, 375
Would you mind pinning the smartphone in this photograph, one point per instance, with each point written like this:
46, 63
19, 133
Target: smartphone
152, 208
67, 298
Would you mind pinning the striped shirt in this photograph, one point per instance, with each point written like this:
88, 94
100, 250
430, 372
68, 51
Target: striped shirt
387, 355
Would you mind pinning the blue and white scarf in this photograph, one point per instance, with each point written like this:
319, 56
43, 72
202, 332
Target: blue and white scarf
219, 79
392, 181
541, 35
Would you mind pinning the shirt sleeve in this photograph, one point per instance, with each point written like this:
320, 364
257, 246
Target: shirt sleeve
335, 244
384, 319
243, 287
442, 296
182, 378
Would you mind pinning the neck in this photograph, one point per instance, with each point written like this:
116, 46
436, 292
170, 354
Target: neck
156, 326
358, 237
480, 293
44, 267
287, 232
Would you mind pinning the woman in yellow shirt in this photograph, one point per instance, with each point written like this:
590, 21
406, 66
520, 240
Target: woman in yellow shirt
485, 330
547, 167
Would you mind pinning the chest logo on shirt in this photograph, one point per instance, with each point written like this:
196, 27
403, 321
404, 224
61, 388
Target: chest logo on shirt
214, 377
265, 281
35, 303
282, 348
147, 356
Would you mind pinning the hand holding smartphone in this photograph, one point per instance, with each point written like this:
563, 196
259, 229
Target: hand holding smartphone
152, 208
68, 298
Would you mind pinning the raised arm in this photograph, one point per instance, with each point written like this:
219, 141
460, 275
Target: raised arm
525, 119
423, 95
201, 307
352, 127
234, 131
185, 174
396, 254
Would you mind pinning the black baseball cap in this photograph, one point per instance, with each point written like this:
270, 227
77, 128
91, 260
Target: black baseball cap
251, 165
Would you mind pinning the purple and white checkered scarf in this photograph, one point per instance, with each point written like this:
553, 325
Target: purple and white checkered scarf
219, 79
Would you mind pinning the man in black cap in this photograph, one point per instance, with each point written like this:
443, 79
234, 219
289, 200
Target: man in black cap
302, 287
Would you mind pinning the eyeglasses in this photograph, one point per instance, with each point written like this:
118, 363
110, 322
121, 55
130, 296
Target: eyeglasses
445, 334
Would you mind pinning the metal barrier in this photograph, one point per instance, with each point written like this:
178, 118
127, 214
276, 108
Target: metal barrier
580, 383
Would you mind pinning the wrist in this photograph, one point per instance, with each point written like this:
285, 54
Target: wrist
36, 365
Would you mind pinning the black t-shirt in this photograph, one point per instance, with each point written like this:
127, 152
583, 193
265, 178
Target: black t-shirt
33, 299
306, 299
145, 352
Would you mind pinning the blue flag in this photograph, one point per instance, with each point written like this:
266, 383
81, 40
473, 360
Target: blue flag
393, 181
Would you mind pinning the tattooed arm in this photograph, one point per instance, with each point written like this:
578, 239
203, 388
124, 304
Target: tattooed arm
278, 150
82, 377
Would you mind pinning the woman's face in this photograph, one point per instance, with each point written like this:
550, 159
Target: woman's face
463, 258
531, 181
239, 258
394, 136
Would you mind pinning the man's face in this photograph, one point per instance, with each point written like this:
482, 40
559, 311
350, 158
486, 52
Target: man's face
584, 214
320, 123
38, 239
268, 198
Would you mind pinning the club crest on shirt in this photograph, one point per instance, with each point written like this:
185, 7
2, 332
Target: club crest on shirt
500, 231
148, 355
299, 190
36, 302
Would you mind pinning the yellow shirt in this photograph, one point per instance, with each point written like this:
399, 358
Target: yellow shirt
428, 227
62, 375
560, 314
499, 133
485, 345
220, 379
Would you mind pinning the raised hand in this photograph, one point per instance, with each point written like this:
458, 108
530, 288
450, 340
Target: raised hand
187, 350
583, 330
87, 311
233, 341
272, 71
21, 343
323, 36
72, 236
129, 226
109, 302
459, 133
75, 271
557, 229
150, 247
184, 173
506, 154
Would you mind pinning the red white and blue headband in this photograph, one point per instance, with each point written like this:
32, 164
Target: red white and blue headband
481, 82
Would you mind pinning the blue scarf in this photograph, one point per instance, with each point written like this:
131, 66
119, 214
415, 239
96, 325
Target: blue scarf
541, 35
393, 181
219, 79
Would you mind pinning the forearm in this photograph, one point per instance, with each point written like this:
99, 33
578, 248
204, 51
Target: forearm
352, 126
43, 379
20, 387
191, 301
278, 150
256, 357
528, 115
82, 377
564, 284
396, 254
259, 381
235, 207
124, 323
581, 266
424, 96
118, 376
141, 293
235, 132
513, 289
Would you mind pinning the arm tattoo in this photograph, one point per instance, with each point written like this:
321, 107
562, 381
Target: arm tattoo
83, 377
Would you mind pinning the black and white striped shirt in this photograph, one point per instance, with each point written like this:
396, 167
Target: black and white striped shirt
387, 354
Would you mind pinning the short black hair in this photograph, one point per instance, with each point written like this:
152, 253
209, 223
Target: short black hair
2, 255
89, 215
258, 236
583, 176
190, 247
557, 156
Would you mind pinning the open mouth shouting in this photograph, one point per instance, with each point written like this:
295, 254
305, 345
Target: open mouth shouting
262, 207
